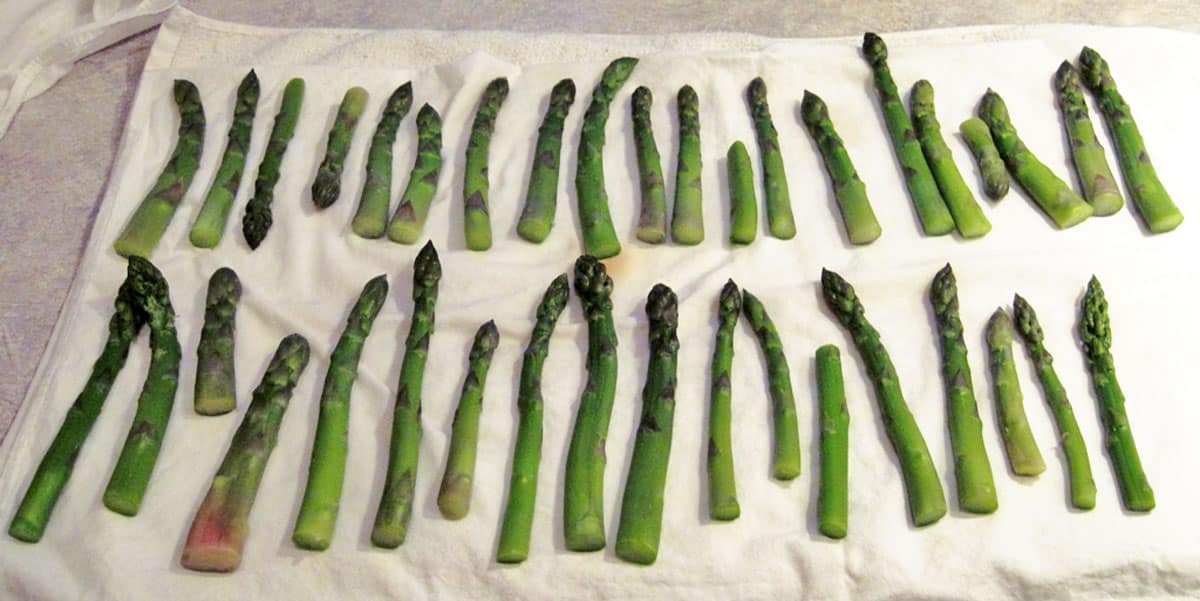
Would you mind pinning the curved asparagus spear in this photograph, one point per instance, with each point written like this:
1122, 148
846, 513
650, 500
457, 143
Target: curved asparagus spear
785, 457
1096, 332
1024, 458
370, 220
409, 219
851, 193
722, 487
454, 497
209, 227
541, 200
687, 218
395, 505
987, 157
527, 451
775, 186
968, 217
477, 224
640, 528
926, 500
257, 219
327, 467
327, 186
221, 525
599, 237
1099, 186
652, 221
833, 501
215, 391
743, 204
145, 228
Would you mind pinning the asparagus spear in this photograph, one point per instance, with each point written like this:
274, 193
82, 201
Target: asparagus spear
145, 228
1023, 455
1099, 186
722, 487
477, 224
785, 457
328, 184
541, 200
327, 467
968, 217
131, 476
215, 391
743, 205
687, 218
599, 237
257, 219
1079, 469
209, 226
1096, 333
454, 497
652, 221
987, 157
1056, 199
370, 220
640, 527
409, 218
395, 505
527, 452
926, 500
1148, 193
935, 217
221, 525
851, 193
833, 500
583, 497
775, 187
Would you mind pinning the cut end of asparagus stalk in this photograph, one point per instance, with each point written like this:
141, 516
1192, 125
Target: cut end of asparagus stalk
586, 535
316, 533
454, 498
636, 551
213, 544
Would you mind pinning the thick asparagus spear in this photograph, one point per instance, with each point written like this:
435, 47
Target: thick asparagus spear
931, 207
987, 157
221, 525
371, 218
327, 467
851, 193
1056, 199
1099, 186
583, 497
833, 500
454, 497
527, 451
785, 457
1079, 469
209, 227
541, 200
409, 219
215, 391
687, 218
775, 186
327, 186
1096, 333
599, 237
395, 505
968, 217
257, 220
743, 204
652, 220
1024, 458
1141, 181
722, 486
640, 528
926, 500
145, 228
477, 224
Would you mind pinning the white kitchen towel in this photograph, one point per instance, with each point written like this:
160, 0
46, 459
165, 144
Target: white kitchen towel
310, 268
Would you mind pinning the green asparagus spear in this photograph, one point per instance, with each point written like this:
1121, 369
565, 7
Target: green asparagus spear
652, 221
371, 218
1096, 333
1079, 469
935, 217
327, 467
722, 487
409, 218
145, 228
396, 503
221, 525
477, 224
527, 452
785, 457
209, 226
640, 528
851, 193
968, 217
215, 392
1024, 458
541, 200
599, 237
1099, 186
833, 500
1141, 181
328, 184
687, 218
987, 157
743, 205
926, 500
257, 219
775, 186
454, 497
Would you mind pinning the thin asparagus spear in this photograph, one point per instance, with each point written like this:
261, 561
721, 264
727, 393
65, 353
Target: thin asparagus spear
327, 186
477, 223
216, 392
454, 497
541, 200
370, 220
851, 193
743, 204
785, 456
833, 500
687, 218
968, 216
409, 219
209, 226
775, 186
257, 220
1099, 186
599, 237
652, 221
987, 157
722, 487
1024, 458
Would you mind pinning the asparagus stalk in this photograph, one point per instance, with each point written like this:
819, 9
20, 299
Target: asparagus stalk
968, 217
1096, 333
409, 219
145, 228
541, 200
652, 221
851, 193
743, 205
327, 467
371, 218
327, 186
221, 525
454, 497
833, 499
599, 237
785, 457
640, 528
722, 486
527, 452
257, 220
395, 505
215, 392
1024, 458
926, 500
987, 157
687, 219
209, 227
477, 224
775, 186
1099, 186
